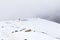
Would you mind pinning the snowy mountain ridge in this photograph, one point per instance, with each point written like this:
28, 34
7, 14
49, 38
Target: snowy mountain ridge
29, 29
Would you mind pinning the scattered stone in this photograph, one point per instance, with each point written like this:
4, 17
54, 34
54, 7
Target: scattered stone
25, 39
2, 26
34, 31
12, 26
57, 37
28, 30
2, 39
44, 32
12, 31
16, 30
23, 29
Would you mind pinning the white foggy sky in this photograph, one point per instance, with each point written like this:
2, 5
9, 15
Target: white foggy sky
12, 9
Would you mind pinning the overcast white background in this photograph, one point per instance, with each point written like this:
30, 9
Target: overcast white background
14, 9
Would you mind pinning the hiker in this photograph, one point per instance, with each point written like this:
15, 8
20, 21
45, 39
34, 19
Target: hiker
19, 19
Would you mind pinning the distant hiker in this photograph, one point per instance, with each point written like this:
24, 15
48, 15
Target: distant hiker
19, 19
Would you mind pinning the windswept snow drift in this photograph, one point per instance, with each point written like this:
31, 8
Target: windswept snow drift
30, 29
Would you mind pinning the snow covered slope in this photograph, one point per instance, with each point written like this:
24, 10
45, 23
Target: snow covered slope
29, 29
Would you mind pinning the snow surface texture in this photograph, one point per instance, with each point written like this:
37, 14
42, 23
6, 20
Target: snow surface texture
29, 29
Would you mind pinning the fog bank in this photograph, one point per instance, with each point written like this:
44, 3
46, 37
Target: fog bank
14, 9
